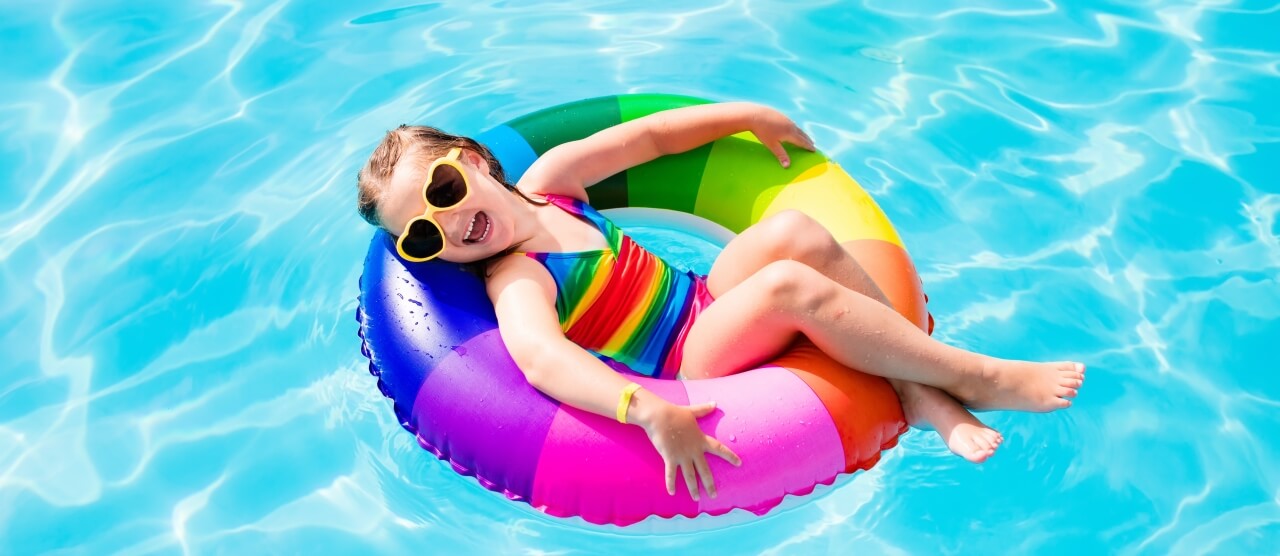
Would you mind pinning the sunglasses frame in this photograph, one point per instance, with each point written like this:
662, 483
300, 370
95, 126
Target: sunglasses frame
451, 159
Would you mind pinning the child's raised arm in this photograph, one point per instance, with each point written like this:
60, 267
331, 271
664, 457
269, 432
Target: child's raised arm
571, 167
523, 295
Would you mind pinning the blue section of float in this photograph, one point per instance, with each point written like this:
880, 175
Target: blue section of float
417, 314
511, 150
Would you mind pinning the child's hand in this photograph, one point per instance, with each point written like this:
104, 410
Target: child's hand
673, 430
771, 127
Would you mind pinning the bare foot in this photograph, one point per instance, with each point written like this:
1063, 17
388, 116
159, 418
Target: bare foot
1023, 385
970, 439
965, 435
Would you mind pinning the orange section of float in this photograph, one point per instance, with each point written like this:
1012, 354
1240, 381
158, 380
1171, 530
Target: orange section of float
892, 270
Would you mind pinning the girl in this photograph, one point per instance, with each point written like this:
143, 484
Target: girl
563, 280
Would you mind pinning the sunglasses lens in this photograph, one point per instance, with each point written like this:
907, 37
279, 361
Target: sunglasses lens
423, 240
447, 188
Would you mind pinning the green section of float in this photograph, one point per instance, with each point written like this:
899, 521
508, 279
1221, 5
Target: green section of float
670, 182
730, 181
570, 122
567, 122
742, 178
636, 106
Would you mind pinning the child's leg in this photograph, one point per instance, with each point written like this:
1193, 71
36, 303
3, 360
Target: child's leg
792, 235
763, 314
789, 235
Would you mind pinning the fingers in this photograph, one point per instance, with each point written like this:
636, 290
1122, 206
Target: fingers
702, 409
804, 141
716, 447
704, 474
690, 480
697, 469
798, 138
781, 153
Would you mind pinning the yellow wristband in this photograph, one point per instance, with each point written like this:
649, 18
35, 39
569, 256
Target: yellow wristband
624, 401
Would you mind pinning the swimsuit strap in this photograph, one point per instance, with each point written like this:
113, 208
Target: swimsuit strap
577, 207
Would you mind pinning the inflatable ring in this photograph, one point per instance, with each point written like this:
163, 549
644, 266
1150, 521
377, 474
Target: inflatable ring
432, 340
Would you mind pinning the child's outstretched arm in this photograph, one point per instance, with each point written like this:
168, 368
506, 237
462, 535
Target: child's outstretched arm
523, 295
571, 167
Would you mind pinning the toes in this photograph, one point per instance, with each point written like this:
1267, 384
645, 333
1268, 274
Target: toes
983, 455
979, 455
989, 439
1074, 370
992, 444
1066, 392
1071, 375
985, 443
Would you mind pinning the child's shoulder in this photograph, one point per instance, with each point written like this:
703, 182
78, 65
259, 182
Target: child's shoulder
515, 266
516, 262
518, 270
550, 175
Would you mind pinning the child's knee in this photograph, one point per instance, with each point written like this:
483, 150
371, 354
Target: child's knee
792, 284
796, 235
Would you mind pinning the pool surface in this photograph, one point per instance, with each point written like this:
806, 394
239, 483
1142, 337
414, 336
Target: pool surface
1087, 180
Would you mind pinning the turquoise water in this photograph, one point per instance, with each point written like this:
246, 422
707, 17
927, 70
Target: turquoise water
1092, 181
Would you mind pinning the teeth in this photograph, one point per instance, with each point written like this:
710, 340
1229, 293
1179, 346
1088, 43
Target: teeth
488, 224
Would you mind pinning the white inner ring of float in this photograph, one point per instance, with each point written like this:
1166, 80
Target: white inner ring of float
683, 222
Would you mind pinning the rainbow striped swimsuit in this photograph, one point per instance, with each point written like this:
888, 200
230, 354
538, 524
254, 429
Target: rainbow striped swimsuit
624, 303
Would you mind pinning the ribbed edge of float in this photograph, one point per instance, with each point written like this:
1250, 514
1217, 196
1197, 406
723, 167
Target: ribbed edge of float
405, 418
761, 508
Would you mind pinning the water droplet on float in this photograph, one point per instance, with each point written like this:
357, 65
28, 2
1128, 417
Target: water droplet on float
733, 438
462, 350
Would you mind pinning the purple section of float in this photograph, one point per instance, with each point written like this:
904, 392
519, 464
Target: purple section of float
477, 410
413, 315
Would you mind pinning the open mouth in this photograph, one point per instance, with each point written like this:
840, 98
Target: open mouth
478, 229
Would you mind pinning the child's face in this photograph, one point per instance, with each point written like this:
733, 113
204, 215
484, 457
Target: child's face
475, 229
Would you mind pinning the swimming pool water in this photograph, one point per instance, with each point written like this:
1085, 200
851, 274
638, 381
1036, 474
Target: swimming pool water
1086, 180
